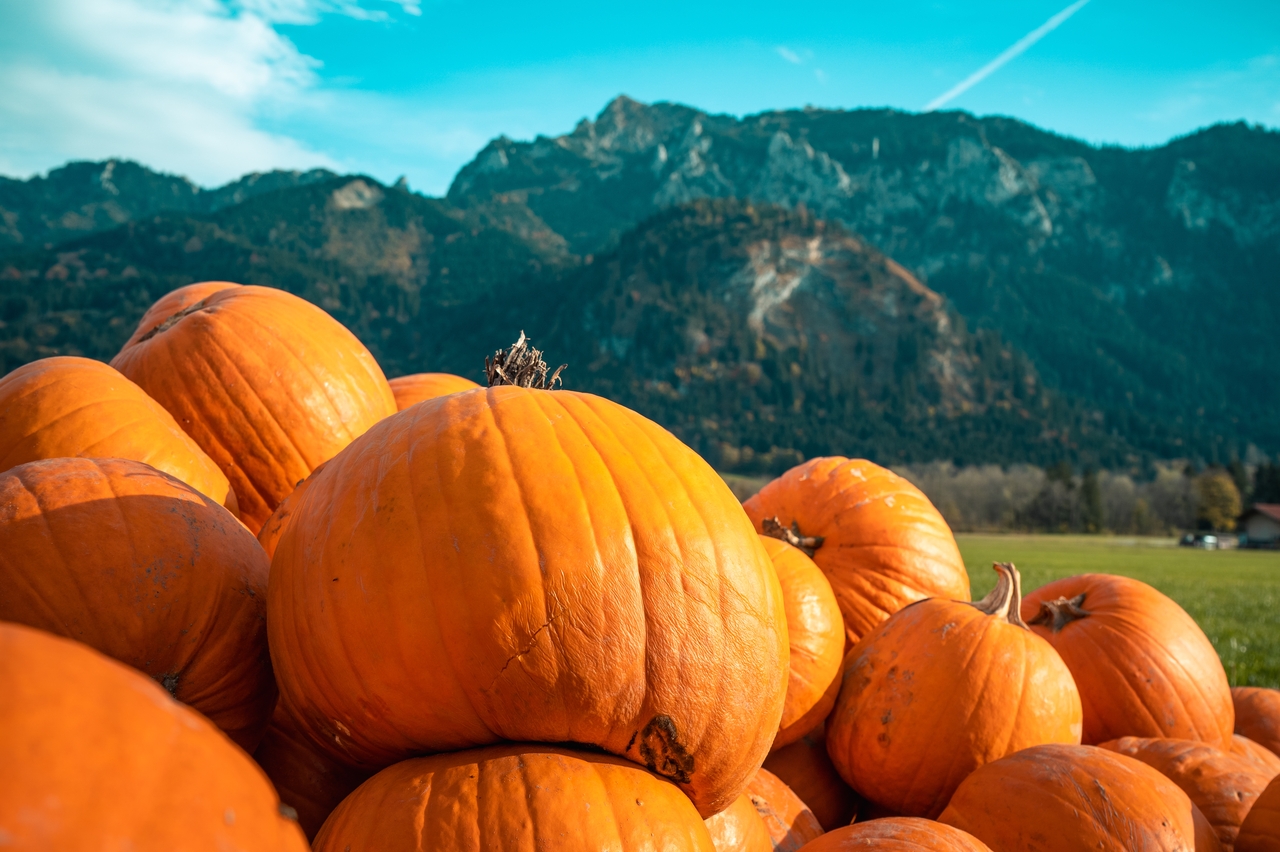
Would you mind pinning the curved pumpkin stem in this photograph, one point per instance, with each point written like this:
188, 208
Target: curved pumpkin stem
1005, 600
1061, 612
808, 544
522, 366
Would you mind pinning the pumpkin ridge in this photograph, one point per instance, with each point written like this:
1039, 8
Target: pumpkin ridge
1104, 653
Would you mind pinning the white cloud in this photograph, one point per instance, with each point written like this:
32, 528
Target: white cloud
789, 54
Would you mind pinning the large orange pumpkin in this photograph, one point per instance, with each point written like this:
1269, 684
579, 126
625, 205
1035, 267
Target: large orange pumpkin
878, 539
530, 565
516, 798
739, 828
1263, 758
1222, 785
145, 569
1257, 712
805, 767
815, 633
267, 384
942, 688
788, 820
74, 407
1143, 666
1064, 798
1260, 831
415, 388
96, 756
897, 834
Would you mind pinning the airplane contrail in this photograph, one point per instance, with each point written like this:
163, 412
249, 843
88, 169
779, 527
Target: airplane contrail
1018, 48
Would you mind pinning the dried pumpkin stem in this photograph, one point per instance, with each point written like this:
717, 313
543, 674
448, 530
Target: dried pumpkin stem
522, 366
808, 544
1061, 612
1005, 600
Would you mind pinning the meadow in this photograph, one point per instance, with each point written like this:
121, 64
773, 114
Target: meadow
1233, 594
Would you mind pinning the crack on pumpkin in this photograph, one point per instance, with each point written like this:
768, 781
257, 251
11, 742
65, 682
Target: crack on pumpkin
662, 751
807, 544
1005, 600
533, 642
174, 320
522, 366
1061, 612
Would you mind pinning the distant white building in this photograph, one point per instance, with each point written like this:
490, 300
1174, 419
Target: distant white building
1261, 525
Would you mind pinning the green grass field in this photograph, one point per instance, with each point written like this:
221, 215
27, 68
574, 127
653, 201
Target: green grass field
1233, 594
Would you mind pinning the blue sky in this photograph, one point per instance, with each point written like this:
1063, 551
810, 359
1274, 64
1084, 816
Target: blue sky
216, 88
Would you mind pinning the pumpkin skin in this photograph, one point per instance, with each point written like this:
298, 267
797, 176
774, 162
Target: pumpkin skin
144, 569
1064, 798
1143, 666
517, 798
536, 566
74, 407
174, 302
1222, 785
897, 834
267, 384
97, 756
885, 545
418, 387
1263, 758
942, 688
739, 828
788, 820
1260, 831
815, 634
1257, 712
805, 767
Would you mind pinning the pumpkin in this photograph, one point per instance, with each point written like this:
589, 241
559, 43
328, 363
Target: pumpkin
1257, 715
788, 820
942, 688
271, 530
175, 302
815, 633
1064, 798
897, 834
147, 570
307, 779
267, 384
517, 798
410, 390
1263, 758
878, 539
805, 767
1260, 831
74, 407
525, 564
1143, 666
96, 756
1222, 785
739, 828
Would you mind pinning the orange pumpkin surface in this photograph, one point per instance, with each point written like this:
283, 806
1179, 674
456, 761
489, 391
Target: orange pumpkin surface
1263, 758
739, 828
897, 834
1222, 785
883, 544
942, 688
1064, 798
74, 407
1257, 712
517, 798
1143, 666
1260, 831
815, 633
532, 565
96, 756
267, 384
145, 569
271, 530
410, 390
805, 767
788, 820
172, 303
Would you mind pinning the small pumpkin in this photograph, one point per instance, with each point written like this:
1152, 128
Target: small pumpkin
941, 688
1222, 785
1064, 798
1257, 715
415, 388
1143, 666
786, 817
1263, 758
517, 798
1260, 831
739, 828
268, 385
97, 756
897, 834
74, 407
805, 767
815, 633
878, 539
145, 569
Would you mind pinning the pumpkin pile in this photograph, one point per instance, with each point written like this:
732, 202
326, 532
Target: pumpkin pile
518, 617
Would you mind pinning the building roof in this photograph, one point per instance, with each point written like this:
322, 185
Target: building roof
1270, 510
